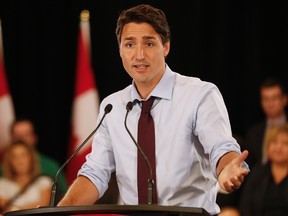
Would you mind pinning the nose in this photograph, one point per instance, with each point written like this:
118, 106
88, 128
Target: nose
139, 53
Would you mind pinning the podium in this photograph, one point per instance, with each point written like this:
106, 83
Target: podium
133, 210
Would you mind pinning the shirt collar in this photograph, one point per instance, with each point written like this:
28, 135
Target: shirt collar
275, 122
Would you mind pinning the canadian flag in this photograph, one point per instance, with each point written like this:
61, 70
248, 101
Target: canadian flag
6, 105
86, 101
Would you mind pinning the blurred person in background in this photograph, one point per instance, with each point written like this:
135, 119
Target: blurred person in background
22, 186
265, 192
23, 129
273, 99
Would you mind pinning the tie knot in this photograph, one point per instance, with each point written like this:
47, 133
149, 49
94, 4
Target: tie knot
146, 105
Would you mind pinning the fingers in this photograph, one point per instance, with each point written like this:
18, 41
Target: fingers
233, 184
234, 181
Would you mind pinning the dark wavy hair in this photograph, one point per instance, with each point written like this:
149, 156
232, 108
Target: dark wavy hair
144, 13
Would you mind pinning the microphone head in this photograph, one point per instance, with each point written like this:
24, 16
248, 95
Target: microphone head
129, 106
108, 108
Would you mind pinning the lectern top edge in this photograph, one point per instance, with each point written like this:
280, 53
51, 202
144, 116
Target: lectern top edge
112, 209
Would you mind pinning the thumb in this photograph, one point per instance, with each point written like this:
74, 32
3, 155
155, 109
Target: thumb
242, 157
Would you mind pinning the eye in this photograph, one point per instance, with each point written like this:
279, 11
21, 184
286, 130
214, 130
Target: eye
149, 44
129, 45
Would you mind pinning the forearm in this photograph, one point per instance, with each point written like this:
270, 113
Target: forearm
45, 197
224, 161
81, 192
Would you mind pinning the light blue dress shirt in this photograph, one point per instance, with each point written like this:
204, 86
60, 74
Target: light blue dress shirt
192, 132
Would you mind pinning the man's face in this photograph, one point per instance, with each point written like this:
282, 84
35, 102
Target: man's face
273, 101
143, 54
24, 131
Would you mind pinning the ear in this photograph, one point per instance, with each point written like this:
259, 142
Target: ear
166, 48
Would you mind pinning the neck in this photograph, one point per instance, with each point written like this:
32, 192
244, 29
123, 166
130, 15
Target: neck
279, 171
145, 87
277, 117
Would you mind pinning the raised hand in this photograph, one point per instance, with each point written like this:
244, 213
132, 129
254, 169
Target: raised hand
233, 174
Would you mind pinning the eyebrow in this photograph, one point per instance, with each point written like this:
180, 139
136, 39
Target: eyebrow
144, 37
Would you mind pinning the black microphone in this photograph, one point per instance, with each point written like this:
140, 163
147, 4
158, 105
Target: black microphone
129, 107
107, 109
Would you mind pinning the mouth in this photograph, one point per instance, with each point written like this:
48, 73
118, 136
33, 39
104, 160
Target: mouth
140, 67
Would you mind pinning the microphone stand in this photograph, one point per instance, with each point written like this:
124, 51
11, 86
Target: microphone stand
129, 107
54, 189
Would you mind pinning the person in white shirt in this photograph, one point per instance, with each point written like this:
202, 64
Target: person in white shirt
193, 139
21, 186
